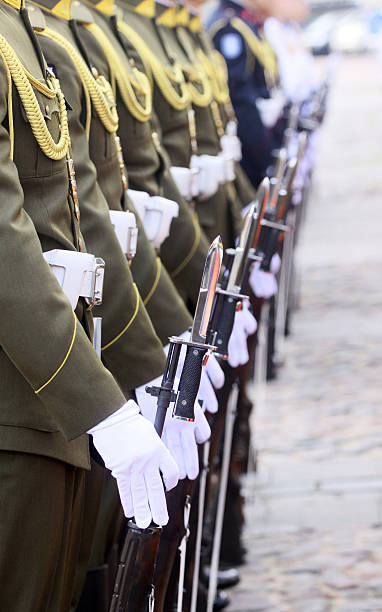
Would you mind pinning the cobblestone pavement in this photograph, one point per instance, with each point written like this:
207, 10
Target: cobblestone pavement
314, 510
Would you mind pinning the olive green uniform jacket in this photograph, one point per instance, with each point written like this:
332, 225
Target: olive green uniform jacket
200, 39
215, 213
53, 387
130, 348
183, 252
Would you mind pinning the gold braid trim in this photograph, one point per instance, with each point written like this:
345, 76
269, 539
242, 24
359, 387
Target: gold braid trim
217, 72
129, 87
23, 81
124, 330
155, 283
192, 251
98, 91
195, 74
37, 391
166, 78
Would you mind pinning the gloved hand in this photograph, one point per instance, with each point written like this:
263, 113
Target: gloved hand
263, 284
212, 377
275, 264
180, 437
137, 457
244, 325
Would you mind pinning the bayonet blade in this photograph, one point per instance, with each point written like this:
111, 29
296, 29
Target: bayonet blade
207, 290
262, 196
277, 177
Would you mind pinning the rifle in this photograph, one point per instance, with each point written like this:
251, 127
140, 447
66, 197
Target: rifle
239, 260
133, 588
227, 296
290, 213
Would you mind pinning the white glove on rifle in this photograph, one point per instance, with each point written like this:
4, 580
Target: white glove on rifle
137, 457
275, 264
180, 437
212, 377
244, 325
263, 284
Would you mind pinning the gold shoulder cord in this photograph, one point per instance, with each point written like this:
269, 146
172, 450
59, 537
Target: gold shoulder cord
196, 74
261, 49
23, 81
166, 78
129, 87
217, 72
97, 91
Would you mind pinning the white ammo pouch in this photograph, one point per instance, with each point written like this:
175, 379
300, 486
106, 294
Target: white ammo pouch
125, 227
78, 274
156, 214
230, 142
211, 174
187, 181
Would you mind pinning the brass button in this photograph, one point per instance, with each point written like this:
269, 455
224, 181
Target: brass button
47, 109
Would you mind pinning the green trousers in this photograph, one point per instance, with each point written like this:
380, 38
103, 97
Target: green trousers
41, 519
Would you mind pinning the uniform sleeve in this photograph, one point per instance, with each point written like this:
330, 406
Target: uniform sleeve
185, 250
39, 332
131, 350
162, 300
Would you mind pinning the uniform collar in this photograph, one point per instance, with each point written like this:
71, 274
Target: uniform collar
106, 7
166, 14
183, 16
60, 8
142, 7
17, 4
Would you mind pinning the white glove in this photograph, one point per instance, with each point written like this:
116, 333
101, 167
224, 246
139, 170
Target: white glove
214, 371
180, 437
244, 325
263, 284
275, 264
137, 457
270, 108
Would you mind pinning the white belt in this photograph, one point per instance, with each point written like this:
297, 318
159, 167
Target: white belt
156, 214
125, 227
187, 181
78, 274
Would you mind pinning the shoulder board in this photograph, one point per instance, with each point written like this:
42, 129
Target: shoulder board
36, 17
81, 13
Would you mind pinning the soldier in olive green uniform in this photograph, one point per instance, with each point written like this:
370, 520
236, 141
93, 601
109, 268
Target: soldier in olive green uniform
146, 161
54, 388
182, 108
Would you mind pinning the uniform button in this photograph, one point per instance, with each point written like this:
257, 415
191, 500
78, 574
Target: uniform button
47, 109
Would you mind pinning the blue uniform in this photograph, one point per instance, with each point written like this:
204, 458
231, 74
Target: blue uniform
247, 83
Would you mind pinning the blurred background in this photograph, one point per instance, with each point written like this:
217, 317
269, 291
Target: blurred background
344, 26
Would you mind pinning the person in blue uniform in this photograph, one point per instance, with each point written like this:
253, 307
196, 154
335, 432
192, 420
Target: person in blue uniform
237, 32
